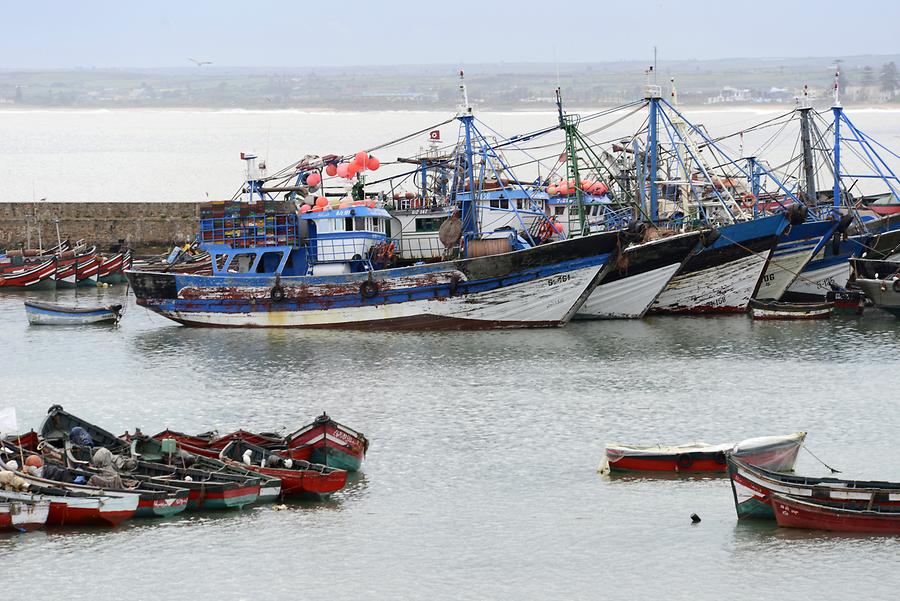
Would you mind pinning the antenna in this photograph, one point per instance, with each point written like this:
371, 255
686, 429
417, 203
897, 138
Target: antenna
463, 95
837, 90
654, 64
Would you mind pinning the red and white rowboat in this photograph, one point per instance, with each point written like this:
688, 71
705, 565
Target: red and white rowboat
30, 276
777, 453
23, 515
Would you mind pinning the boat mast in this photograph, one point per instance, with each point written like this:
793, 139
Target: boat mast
467, 204
806, 140
568, 123
837, 110
653, 96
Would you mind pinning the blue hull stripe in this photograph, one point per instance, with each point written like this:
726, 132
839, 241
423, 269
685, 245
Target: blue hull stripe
355, 299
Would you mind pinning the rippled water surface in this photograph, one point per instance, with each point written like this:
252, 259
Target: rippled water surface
481, 479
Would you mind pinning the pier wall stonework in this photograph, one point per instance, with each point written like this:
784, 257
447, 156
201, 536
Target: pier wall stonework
145, 226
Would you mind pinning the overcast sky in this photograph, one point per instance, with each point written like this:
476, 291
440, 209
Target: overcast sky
164, 33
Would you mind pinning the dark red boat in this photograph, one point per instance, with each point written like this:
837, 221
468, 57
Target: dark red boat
298, 478
793, 512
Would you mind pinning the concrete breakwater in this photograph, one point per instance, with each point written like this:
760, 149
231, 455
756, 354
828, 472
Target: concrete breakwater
144, 226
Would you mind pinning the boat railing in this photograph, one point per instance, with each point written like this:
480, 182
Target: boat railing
419, 247
350, 247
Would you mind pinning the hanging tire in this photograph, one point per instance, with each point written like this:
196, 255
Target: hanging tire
684, 461
368, 289
896, 285
277, 293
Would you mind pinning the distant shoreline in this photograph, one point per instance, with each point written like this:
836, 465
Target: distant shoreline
718, 107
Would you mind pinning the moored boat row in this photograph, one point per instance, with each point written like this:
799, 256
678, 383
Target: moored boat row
73, 473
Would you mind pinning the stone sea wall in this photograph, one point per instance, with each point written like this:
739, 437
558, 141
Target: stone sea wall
145, 227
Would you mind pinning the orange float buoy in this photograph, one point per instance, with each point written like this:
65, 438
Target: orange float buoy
331, 169
321, 201
373, 164
313, 179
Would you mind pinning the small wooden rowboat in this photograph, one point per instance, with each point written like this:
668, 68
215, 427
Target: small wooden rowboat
773, 452
753, 488
55, 314
779, 310
298, 478
793, 512
327, 442
23, 515
30, 276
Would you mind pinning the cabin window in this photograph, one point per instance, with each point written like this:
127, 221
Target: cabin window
269, 262
499, 203
241, 263
359, 224
520, 203
559, 210
429, 224
348, 224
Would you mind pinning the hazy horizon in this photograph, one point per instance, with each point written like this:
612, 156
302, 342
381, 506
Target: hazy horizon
101, 34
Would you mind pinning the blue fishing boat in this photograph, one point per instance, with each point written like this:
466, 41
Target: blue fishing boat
327, 267
43, 313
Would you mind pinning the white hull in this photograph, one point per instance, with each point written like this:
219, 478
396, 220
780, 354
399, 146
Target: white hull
724, 288
546, 301
627, 298
783, 269
818, 281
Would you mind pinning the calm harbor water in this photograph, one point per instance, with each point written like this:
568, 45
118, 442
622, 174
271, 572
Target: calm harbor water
481, 479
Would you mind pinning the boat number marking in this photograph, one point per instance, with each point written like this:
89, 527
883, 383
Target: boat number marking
565, 277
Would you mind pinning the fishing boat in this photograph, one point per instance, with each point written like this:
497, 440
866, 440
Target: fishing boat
776, 310
883, 292
74, 508
76, 504
78, 269
885, 203
638, 276
847, 302
58, 424
330, 443
725, 274
753, 487
298, 478
794, 512
535, 287
112, 269
163, 451
45, 313
23, 515
155, 500
794, 250
333, 265
33, 277
774, 452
